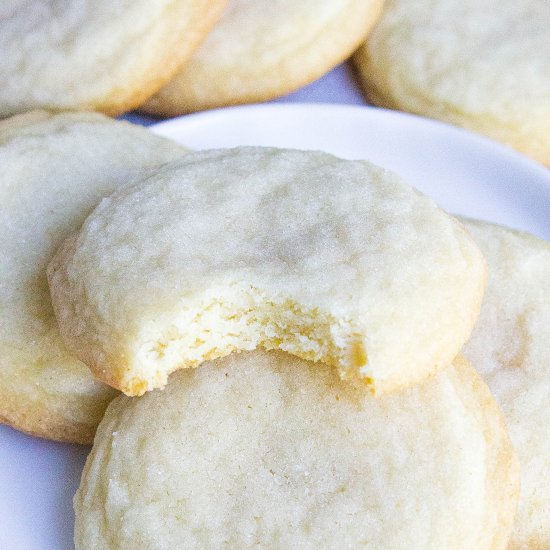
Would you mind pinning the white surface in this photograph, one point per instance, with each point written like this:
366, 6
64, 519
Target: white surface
464, 173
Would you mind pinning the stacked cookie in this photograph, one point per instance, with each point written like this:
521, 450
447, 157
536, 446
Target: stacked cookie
303, 253
55, 169
323, 304
265, 449
510, 349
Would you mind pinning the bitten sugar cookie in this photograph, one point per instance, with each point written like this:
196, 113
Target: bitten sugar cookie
482, 65
329, 259
265, 450
54, 170
511, 348
101, 55
261, 49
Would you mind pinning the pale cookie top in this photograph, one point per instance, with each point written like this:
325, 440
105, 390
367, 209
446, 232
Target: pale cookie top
105, 55
511, 348
329, 259
484, 65
264, 450
262, 49
54, 170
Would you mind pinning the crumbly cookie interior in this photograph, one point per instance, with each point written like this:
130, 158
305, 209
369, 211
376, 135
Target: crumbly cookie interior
243, 322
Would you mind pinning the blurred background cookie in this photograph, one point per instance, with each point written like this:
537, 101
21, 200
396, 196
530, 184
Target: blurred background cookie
55, 169
510, 346
482, 65
102, 55
261, 49
333, 260
262, 449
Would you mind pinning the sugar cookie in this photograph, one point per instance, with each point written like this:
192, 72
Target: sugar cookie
261, 49
265, 450
332, 260
511, 348
55, 168
482, 65
95, 55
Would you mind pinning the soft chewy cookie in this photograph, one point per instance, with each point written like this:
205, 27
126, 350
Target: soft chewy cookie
511, 348
265, 450
332, 260
482, 65
261, 49
100, 55
54, 170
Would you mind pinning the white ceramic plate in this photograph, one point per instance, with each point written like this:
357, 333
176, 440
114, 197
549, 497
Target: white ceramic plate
464, 173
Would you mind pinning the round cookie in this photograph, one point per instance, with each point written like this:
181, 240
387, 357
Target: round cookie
262, 49
481, 65
55, 169
102, 55
265, 450
332, 260
511, 348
